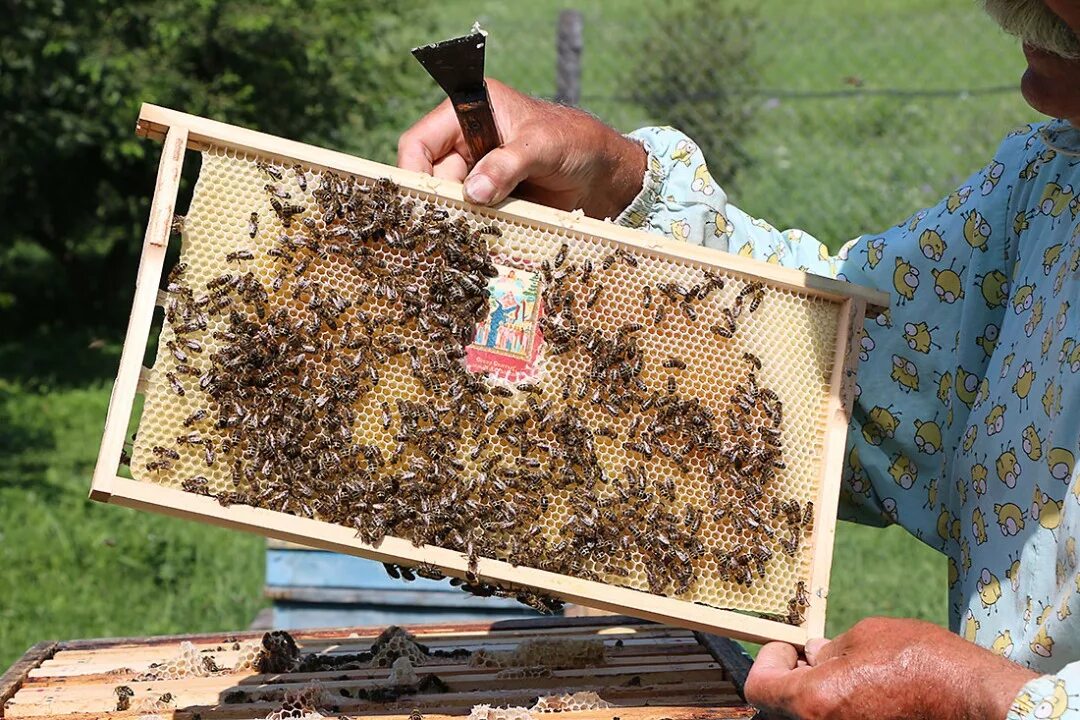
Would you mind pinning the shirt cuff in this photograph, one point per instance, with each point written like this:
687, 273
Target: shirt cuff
1041, 697
652, 185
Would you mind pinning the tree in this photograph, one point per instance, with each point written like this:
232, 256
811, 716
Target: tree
693, 67
75, 181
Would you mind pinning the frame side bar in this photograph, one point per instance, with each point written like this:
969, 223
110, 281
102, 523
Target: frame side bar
838, 418
154, 120
155, 244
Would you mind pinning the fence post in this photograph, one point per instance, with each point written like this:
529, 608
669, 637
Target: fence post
569, 43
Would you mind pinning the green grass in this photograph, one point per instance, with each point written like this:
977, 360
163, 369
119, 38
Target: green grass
71, 568
835, 167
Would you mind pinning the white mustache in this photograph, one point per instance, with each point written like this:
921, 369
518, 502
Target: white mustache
1036, 25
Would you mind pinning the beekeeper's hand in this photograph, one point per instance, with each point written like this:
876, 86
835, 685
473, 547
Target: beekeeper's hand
550, 154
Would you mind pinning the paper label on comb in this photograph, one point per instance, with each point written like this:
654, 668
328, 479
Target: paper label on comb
507, 341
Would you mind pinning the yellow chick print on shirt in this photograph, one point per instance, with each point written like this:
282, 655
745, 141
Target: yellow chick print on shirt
1008, 468
993, 175
1012, 574
932, 244
1003, 644
971, 626
989, 588
684, 150
919, 337
703, 182
1042, 644
1060, 462
905, 280
1010, 518
1055, 199
680, 230
1045, 510
978, 526
874, 250
927, 436
948, 284
1032, 443
1025, 378
994, 287
905, 373
976, 230
903, 471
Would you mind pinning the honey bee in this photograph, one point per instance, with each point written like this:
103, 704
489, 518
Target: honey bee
208, 452
626, 257
609, 260
123, 697
808, 514
674, 362
277, 191
594, 295
586, 272
560, 257
528, 388
253, 225
177, 353
301, 177
239, 256
754, 289
165, 452
155, 465
272, 170
175, 384
752, 359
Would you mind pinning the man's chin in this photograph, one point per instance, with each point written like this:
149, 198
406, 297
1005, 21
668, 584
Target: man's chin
1051, 84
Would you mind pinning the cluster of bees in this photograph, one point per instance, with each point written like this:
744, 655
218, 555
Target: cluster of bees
295, 360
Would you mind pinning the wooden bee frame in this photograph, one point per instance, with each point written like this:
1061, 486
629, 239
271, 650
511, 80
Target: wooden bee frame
181, 131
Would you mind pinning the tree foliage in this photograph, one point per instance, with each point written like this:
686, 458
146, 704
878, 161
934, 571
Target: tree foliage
75, 181
692, 69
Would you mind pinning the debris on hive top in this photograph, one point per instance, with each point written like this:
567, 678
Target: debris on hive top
402, 673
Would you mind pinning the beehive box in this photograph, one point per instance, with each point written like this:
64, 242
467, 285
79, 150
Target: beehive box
533, 401
582, 668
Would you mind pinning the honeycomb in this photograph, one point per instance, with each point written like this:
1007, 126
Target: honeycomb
568, 702
554, 654
395, 644
188, 663
641, 420
302, 704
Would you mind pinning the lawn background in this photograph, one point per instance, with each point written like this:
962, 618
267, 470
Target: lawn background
835, 165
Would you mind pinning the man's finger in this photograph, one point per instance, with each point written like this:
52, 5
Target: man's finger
499, 172
769, 683
429, 140
451, 167
818, 650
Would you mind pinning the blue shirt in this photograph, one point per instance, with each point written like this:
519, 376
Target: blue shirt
966, 427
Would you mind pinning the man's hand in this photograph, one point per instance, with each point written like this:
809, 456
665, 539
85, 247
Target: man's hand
555, 155
886, 668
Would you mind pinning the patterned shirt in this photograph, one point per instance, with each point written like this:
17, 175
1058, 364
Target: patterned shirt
966, 425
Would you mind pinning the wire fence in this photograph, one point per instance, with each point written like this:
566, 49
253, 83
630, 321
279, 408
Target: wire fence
835, 119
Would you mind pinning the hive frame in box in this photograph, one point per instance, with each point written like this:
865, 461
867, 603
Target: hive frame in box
181, 131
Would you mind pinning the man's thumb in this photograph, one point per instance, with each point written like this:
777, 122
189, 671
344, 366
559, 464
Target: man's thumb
497, 174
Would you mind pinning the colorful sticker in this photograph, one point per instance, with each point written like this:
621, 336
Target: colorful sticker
507, 341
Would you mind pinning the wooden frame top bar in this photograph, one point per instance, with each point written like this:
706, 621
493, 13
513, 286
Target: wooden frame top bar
154, 121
